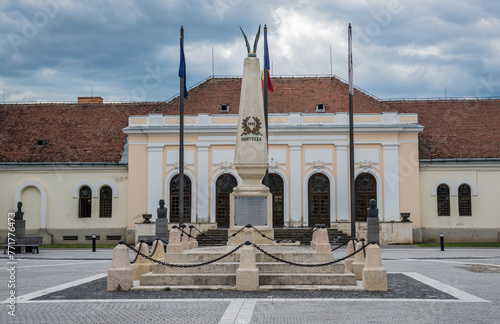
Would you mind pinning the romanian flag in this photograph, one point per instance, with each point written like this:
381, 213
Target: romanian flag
267, 66
182, 65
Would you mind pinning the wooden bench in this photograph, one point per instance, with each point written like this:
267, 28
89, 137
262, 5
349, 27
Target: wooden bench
25, 241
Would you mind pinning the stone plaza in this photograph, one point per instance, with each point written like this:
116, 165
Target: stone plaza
457, 285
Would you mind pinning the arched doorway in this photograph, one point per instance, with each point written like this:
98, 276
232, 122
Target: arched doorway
366, 189
318, 199
224, 187
277, 190
174, 199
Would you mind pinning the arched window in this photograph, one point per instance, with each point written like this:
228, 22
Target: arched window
105, 201
366, 188
276, 188
319, 199
443, 200
85, 202
174, 199
224, 187
464, 200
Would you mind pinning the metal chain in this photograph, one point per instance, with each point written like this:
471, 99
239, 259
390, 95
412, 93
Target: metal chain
308, 233
154, 249
209, 237
341, 245
184, 265
137, 255
262, 234
307, 265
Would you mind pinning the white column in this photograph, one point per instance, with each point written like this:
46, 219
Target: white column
391, 182
295, 184
342, 183
203, 184
155, 177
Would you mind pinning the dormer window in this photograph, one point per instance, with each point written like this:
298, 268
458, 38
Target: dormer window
224, 108
320, 107
41, 142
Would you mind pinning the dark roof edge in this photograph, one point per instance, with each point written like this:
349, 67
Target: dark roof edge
461, 160
110, 164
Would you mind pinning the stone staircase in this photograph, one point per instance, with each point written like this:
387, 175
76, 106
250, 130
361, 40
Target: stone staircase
219, 234
272, 275
336, 236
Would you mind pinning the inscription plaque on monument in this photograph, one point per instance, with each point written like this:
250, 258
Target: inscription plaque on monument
250, 210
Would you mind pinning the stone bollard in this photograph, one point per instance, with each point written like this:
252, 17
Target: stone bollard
160, 250
141, 264
174, 241
193, 242
247, 275
186, 244
351, 247
313, 238
374, 273
359, 261
120, 275
322, 242
249, 235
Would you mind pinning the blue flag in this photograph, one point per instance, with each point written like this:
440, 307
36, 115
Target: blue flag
182, 69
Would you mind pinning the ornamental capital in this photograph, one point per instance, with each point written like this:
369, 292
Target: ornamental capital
365, 164
273, 165
319, 164
226, 165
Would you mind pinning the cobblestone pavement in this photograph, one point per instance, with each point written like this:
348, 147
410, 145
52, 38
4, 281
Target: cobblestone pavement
470, 276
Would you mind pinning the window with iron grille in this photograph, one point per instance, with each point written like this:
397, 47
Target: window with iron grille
276, 187
319, 199
366, 189
224, 187
174, 199
443, 200
105, 201
464, 201
85, 202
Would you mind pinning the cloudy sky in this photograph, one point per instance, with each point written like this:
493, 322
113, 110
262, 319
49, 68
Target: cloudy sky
128, 50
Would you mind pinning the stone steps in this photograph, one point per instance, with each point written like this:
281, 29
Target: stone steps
272, 274
336, 236
189, 257
226, 279
264, 267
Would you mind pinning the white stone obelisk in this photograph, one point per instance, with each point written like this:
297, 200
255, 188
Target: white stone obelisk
251, 201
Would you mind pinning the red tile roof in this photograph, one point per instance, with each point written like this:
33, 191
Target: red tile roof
456, 128
297, 94
73, 132
93, 132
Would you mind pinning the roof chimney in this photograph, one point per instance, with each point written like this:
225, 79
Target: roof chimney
90, 100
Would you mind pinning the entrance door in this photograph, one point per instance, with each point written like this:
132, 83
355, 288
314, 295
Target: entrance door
224, 187
319, 199
366, 189
174, 199
276, 188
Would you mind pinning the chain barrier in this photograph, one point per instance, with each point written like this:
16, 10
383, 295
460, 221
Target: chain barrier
182, 265
154, 249
307, 234
341, 245
137, 254
261, 234
309, 265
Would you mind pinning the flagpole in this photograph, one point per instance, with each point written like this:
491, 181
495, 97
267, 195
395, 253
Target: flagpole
181, 138
266, 84
351, 136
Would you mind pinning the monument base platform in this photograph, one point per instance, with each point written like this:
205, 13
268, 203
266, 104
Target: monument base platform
273, 275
